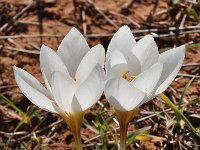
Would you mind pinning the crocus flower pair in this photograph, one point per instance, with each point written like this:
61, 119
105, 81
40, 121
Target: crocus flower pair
75, 80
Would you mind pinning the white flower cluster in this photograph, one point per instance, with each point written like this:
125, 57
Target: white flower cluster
74, 76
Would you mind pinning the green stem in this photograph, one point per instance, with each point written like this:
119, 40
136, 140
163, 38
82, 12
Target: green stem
74, 121
124, 117
123, 135
77, 137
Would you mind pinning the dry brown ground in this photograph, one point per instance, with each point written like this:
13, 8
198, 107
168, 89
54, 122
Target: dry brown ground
102, 18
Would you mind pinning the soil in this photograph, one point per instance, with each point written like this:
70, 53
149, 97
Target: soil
57, 17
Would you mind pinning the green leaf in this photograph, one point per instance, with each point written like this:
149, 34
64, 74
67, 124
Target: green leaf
164, 118
131, 137
194, 101
115, 147
147, 137
112, 131
90, 127
110, 118
105, 105
184, 92
179, 113
74, 148
103, 139
11, 104
193, 45
192, 12
26, 119
175, 2
99, 118
97, 147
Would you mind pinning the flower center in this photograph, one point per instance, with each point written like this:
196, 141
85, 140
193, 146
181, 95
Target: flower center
127, 76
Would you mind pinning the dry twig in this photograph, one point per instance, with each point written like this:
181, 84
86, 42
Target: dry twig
18, 15
22, 50
103, 14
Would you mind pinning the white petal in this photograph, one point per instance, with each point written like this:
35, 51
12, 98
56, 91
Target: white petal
47, 84
50, 62
33, 90
76, 106
117, 104
123, 95
72, 49
146, 52
133, 64
147, 80
57, 108
109, 72
91, 89
118, 63
63, 89
147, 99
123, 41
95, 56
172, 61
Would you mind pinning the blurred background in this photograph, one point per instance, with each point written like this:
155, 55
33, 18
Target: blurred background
27, 24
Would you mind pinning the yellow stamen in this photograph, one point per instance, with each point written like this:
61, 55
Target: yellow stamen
125, 75
131, 78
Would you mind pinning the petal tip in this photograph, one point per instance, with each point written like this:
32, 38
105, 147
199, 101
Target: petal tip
17, 70
15, 67
44, 49
99, 46
183, 47
125, 28
74, 30
149, 37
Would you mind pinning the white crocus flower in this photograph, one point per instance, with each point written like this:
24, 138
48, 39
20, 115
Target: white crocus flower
74, 80
136, 73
